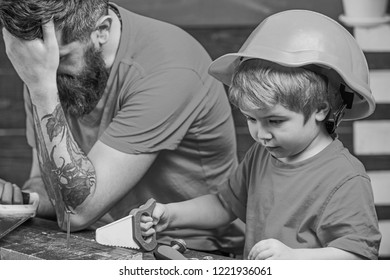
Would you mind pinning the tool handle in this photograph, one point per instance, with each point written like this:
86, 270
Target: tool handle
147, 208
164, 252
21, 209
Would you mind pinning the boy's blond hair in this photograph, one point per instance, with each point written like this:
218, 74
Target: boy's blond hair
260, 84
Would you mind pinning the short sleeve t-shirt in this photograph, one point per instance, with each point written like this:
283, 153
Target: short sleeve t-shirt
159, 98
323, 201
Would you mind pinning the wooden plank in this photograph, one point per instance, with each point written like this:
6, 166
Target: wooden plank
378, 60
5, 63
219, 40
382, 112
41, 239
15, 159
224, 12
375, 163
12, 112
244, 142
383, 212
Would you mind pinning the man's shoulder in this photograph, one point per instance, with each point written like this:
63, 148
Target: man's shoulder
156, 45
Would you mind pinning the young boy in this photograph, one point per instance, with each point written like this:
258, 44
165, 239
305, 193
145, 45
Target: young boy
301, 194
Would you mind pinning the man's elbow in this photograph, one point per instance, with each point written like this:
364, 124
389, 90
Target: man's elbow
77, 223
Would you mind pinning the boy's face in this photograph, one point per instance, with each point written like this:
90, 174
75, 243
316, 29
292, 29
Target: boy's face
284, 133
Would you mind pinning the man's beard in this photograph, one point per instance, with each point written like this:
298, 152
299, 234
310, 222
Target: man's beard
79, 94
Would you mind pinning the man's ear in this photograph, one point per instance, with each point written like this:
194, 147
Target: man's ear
101, 34
322, 111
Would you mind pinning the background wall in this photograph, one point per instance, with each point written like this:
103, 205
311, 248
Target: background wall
221, 26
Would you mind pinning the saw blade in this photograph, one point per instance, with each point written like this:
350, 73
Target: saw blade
13, 215
126, 232
118, 233
8, 224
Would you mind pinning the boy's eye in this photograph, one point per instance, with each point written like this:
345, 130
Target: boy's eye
250, 119
275, 122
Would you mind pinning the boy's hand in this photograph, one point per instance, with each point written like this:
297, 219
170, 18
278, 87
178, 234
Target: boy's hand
10, 193
35, 61
159, 220
271, 249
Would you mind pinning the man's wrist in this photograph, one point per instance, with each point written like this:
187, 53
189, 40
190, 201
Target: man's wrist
44, 94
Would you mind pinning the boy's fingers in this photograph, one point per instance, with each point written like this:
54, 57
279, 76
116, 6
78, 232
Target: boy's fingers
264, 255
146, 218
149, 232
146, 226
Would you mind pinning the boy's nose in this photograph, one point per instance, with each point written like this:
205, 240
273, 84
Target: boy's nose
263, 134
264, 138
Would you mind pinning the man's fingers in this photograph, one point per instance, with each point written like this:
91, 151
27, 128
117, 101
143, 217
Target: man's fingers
49, 32
17, 195
6, 34
8, 38
10, 193
6, 197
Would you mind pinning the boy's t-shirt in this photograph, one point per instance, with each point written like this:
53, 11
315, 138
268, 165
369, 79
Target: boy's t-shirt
160, 98
323, 201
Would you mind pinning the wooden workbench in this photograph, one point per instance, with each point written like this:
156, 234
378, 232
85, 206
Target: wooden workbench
39, 239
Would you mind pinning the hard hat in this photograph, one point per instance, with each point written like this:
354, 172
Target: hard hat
301, 38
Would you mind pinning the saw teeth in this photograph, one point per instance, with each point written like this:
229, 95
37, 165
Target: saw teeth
126, 232
117, 234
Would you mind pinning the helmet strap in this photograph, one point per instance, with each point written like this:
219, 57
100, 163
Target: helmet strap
338, 115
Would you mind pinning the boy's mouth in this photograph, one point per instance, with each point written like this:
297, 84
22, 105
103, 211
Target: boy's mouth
271, 147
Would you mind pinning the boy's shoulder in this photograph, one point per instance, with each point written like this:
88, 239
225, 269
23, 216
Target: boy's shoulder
335, 161
337, 158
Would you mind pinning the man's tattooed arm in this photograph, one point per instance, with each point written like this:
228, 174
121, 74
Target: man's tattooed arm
67, 173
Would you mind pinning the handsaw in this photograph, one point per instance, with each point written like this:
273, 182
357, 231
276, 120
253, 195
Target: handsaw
126, 232
13, 215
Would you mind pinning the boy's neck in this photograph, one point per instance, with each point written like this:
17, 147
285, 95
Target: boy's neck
318, 144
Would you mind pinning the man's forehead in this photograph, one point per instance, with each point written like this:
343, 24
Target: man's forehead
66, 47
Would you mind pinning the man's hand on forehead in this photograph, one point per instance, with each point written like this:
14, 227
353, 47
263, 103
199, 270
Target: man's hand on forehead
35, 61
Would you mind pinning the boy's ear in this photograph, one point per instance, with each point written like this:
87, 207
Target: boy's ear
101, 34
322, 111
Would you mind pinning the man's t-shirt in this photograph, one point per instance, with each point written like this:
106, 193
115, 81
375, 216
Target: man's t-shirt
159, 98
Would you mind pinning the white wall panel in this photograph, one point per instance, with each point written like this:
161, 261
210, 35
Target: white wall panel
381, 186
384, 249
371, 137
380, 85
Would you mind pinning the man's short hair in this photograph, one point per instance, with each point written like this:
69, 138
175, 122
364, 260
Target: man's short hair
260, 84
75, 18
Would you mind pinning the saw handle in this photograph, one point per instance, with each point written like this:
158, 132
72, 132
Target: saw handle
29, 206
137, 213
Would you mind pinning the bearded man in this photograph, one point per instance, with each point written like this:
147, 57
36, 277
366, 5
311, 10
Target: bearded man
120, 108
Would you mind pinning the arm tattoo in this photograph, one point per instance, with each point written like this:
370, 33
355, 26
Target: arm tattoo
67, 173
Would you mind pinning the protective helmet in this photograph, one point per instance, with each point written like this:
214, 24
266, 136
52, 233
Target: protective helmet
300, 38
